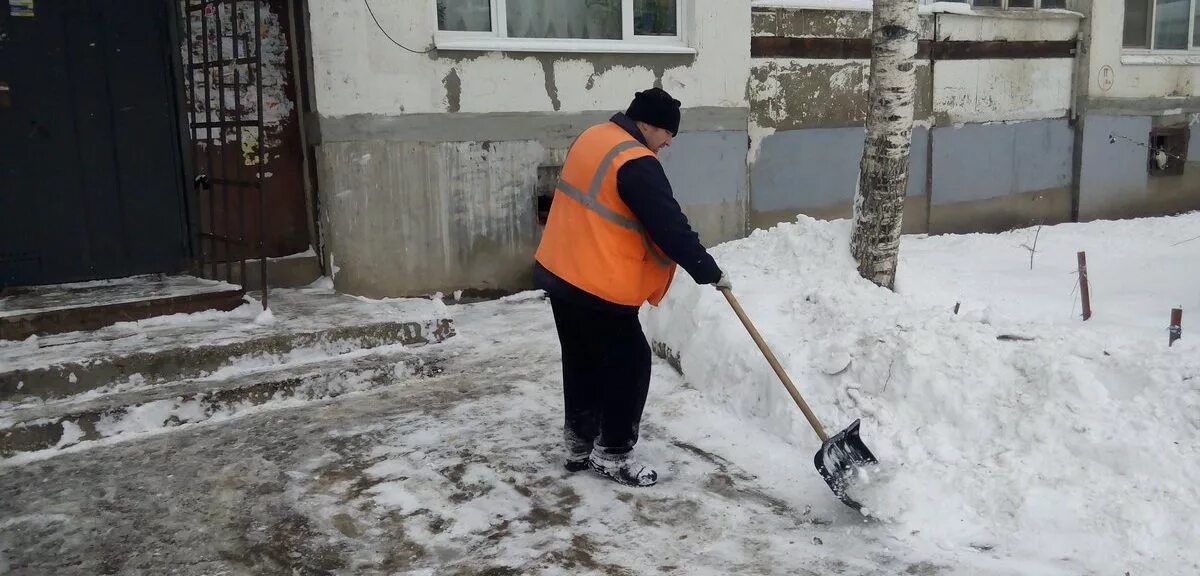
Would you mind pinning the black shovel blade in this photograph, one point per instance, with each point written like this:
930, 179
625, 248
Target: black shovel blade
838, 459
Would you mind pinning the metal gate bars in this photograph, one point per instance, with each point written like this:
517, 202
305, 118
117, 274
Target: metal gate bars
224, 95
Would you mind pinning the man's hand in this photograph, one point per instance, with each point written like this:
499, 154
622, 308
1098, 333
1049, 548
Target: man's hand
724, 283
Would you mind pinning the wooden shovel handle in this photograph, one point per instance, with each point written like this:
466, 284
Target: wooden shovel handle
783, 377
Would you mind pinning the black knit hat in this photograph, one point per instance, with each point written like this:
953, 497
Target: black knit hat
656, 108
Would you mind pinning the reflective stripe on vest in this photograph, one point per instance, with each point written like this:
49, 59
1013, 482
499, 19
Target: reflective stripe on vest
588, 199
593, 240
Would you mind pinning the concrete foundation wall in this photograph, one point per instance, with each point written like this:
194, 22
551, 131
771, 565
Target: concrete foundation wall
1000, 176
708, 175
815, 172
1113, 174
409, 211
1115, 180
411, 218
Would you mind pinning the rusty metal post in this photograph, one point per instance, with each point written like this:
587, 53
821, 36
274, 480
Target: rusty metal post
1083, 286
1176, 330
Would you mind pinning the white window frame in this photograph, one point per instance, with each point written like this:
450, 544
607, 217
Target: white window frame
497, 39
1160, 56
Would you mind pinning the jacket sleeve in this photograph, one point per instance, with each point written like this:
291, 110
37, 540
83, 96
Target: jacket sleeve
643, 186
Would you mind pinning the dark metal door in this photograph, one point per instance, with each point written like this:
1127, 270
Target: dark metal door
91, 167
223, 47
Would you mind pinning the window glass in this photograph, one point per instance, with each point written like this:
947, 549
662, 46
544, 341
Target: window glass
1171, 20
464, 15
1137, 24
655, 18
585, 19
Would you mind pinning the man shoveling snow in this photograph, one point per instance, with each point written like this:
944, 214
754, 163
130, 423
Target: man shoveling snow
611, 244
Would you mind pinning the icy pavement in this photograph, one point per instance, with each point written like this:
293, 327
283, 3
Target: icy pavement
456, 474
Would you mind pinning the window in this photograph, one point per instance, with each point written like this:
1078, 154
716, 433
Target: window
1168, 149
600, 25
1161, 25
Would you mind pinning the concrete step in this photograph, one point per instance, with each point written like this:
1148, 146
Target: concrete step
114, 371
42, 310
296, 271
151, 408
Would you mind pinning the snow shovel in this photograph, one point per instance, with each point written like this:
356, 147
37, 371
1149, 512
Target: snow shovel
840, 455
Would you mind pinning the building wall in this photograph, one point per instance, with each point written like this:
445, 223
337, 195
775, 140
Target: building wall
992, 114
990, 177
1133, 76
1123, 95
428, 163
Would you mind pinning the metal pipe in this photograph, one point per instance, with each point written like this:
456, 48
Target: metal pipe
190, 83
208, 153
237, 106
262, 157
224, 151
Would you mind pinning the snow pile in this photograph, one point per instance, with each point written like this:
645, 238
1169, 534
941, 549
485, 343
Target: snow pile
1010, 429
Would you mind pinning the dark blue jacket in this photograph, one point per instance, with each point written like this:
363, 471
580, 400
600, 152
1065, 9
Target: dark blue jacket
643, 186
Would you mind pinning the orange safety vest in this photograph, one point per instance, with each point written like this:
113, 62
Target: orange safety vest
592, 239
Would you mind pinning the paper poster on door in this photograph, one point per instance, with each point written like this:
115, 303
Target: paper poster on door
23, 8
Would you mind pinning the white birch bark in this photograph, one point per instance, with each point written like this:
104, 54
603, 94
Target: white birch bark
879, 200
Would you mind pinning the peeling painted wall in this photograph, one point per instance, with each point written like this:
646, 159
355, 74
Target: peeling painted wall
453, 141
997, 90
358, 71
806, 118
789, 94
1011, 26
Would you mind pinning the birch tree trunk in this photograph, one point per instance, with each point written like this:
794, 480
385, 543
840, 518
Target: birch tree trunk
883, 177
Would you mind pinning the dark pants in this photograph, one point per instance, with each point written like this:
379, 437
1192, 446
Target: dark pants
606, 375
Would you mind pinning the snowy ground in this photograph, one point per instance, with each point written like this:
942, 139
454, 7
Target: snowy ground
1071, 453
454, 475
1010, 432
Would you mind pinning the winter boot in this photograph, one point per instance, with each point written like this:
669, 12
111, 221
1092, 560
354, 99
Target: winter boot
622, 469
578, 450
577, 461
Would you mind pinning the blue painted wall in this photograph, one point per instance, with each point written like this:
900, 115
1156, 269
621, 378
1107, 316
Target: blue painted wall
982, 161
707, 167
819, 167
1113, 173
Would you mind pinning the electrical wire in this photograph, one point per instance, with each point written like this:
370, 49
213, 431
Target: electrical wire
1112, 139
389, 36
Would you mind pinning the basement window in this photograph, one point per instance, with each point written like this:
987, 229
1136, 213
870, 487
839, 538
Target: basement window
1168, 149
546, 183
629, 26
